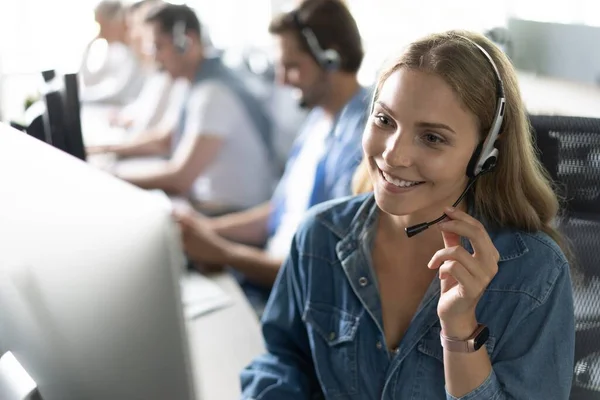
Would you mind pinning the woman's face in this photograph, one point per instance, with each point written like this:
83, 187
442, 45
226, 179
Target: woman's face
418, 142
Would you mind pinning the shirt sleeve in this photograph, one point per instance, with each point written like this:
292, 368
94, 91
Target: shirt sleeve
209, 110
537, 362
286, 371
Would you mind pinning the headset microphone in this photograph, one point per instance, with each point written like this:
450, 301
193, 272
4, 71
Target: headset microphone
415, 229
485, 156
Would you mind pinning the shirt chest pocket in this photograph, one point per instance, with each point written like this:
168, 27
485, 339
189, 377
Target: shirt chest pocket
333, 338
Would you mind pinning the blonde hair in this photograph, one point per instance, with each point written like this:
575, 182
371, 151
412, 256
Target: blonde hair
518, 193
110, 9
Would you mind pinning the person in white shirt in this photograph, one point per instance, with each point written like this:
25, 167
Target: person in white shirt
148, 109
218, 155
110, 71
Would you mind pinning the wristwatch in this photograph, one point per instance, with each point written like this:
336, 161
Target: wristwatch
468, 345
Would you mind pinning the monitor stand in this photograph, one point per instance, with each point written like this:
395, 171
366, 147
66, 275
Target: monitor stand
15, 382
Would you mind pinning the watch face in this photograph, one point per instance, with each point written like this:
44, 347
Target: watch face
481, 338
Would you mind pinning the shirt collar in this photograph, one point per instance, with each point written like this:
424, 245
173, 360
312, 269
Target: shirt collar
352, 229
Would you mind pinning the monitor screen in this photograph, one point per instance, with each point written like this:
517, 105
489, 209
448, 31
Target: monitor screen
35, 122
48, 75
72, 109
61, 98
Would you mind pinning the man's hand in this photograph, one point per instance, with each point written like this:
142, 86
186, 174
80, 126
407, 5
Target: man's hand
200, 242
103, 149
116, 119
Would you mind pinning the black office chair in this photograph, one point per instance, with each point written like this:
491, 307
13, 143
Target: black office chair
570, 150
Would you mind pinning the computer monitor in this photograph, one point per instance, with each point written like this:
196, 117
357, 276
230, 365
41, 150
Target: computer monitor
89, 280
54, 114
61, 98
35, 122
72, 109
48, 75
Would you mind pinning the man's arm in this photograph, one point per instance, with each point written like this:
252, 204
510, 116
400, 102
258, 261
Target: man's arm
204, 245
206, 128
248, 226
178, 174
256, 264
152, 143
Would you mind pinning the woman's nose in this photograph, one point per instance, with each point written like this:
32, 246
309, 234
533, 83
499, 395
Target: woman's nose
399, 150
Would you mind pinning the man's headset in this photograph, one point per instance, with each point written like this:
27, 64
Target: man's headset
181, 41
328, 59
485, 156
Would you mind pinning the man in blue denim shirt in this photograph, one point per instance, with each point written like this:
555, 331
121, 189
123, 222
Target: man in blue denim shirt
476, 307
320, 60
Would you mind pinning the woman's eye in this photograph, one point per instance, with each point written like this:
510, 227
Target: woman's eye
382, 120
433, 138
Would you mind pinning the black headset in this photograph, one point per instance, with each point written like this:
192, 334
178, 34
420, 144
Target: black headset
328, 59
181, 41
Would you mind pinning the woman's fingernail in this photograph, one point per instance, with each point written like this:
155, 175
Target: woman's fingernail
450, 209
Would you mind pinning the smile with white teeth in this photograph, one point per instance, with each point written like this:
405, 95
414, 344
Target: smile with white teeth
399, 182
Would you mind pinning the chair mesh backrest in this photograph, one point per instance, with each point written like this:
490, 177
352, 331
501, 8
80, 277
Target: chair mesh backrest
570, 150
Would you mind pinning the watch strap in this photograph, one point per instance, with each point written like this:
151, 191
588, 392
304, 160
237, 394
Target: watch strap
459, 345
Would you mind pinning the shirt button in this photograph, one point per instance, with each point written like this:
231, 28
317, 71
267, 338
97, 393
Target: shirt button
332, 336
379, 346
363, 281
396, 350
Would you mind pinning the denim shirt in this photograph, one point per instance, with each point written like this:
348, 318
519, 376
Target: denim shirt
323, 326
333, 175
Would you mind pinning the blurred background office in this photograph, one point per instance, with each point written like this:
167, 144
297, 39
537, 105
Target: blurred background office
547, 39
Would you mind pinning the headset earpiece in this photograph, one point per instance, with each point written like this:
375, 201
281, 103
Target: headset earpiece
180, 39
490, 162
485, 155
474, 160
328, 59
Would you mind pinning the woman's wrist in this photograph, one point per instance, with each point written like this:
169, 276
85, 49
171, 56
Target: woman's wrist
460, 328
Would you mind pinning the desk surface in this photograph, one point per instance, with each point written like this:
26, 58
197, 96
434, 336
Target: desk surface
222, 343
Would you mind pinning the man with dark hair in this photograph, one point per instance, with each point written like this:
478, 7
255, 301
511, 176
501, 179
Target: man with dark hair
320, 53
321, 25
219, 153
